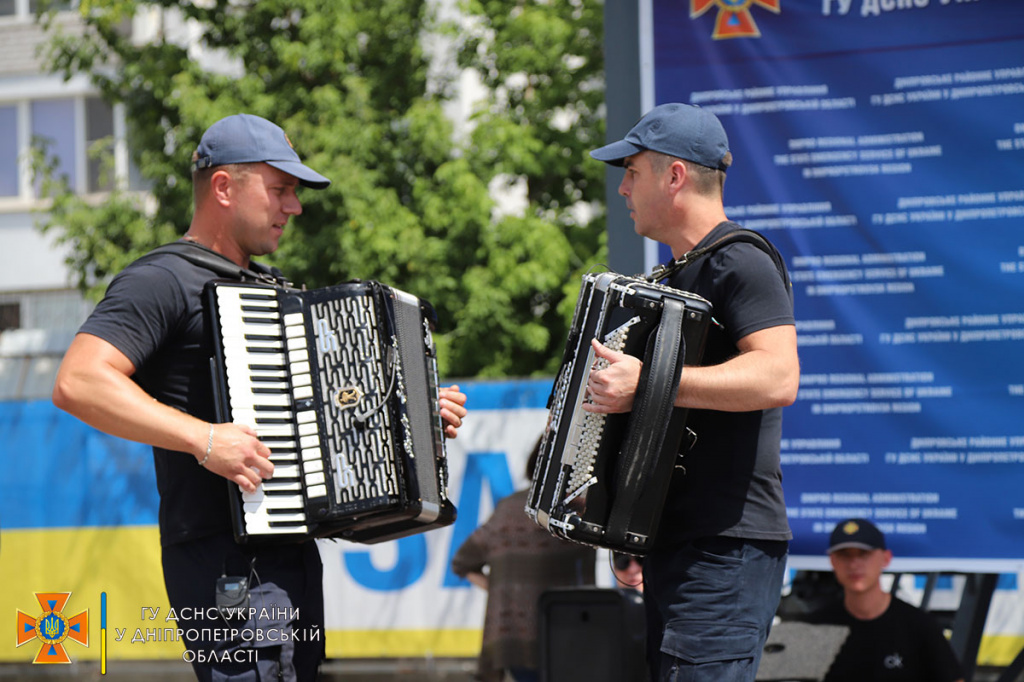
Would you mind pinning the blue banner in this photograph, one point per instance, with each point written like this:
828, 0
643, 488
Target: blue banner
879, 145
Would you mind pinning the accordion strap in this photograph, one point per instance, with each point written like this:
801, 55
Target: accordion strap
741, 234
652, 410
222, 265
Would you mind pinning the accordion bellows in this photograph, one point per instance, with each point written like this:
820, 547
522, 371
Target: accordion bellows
341, 384
602, 479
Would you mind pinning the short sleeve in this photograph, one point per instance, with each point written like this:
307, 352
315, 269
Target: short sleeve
756, 296
142, 307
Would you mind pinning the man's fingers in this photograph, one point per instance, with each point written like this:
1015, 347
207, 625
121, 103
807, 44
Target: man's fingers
247, 480
603, 351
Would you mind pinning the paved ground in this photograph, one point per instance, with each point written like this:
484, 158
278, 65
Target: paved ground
413, 670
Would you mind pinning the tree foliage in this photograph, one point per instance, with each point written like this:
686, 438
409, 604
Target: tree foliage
410, 203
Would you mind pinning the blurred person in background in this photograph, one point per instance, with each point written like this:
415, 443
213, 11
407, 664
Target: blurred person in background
516, 560
628, 570
889, 638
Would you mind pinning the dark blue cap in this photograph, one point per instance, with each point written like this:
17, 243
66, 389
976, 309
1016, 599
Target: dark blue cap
680, 130
859, 533
244, 138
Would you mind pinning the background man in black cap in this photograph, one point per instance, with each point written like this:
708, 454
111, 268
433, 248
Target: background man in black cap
713, 580
139, 369
889, 638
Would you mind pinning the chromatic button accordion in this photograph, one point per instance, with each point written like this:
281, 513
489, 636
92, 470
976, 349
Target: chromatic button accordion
602, 479
341, 384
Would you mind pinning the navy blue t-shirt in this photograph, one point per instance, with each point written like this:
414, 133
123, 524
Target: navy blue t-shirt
731, 481
153, 313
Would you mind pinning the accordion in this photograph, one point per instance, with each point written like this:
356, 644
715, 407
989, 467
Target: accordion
341, 384
602, 479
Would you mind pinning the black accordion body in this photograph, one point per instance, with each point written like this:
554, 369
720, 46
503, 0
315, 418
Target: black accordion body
602, 479
341, 384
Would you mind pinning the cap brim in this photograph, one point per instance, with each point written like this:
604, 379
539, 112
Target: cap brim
854, 545
307, 176
616, 152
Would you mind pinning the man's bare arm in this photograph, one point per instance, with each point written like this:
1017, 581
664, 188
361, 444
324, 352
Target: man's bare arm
764, 374
94, 384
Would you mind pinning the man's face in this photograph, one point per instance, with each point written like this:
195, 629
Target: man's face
645, 193
265, 200
859, 570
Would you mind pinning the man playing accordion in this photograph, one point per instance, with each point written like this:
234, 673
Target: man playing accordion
712, 581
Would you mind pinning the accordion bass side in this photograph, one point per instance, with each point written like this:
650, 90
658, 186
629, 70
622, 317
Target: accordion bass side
341, 384
602, 479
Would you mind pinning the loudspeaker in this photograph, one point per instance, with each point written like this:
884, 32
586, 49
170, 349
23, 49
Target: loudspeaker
800, 652
592, 634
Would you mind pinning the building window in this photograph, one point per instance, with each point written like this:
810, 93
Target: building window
27, 8
9, 151
99, 139
77, 135
53, 125
10, 316
47, 5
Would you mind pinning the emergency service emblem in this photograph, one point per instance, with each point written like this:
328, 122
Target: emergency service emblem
734, 19
52, 627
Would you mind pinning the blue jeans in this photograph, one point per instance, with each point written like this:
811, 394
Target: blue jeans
710, 605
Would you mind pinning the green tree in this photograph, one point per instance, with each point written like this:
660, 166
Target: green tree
410, 205
541, 65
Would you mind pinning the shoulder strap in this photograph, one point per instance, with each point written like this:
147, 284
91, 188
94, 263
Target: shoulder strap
740, 235
223, 266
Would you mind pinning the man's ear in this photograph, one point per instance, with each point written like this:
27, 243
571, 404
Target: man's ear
888, 558
221, 186
676, 175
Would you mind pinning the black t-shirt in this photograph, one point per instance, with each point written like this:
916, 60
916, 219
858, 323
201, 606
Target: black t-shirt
153, 313
731, 481
904, 644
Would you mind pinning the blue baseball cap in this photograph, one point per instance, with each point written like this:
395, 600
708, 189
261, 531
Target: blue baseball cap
858, 533
680, 130
244, 138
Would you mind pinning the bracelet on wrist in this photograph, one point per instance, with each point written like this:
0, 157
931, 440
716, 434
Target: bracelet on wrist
209, 447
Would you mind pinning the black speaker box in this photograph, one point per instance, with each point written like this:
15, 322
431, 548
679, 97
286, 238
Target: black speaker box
592, 634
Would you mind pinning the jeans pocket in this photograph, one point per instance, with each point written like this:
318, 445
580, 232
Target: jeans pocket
710, 641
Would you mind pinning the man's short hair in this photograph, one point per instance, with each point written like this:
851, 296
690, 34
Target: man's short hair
708, 181
201, 178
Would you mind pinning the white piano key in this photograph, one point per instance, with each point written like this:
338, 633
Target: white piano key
274, 502
262, 400
286, 471
268, 386
258, 524
233, 355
